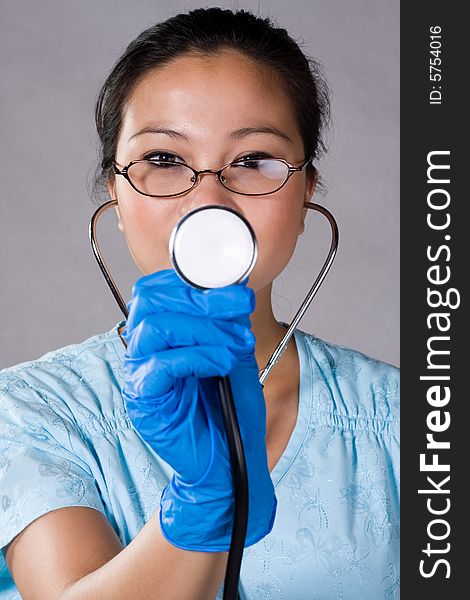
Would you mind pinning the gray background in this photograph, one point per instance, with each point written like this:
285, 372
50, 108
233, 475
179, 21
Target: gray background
54, 55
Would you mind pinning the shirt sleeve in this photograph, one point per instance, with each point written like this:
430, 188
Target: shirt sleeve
42, 458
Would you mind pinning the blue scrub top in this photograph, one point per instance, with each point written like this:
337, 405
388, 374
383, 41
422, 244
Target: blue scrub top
66, 440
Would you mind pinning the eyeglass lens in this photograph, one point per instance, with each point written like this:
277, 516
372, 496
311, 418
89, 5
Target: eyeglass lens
160, 178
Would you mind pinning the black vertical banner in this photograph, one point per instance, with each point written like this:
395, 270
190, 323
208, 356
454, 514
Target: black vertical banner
434, 300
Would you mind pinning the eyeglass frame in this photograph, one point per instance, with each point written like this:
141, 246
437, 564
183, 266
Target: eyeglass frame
197, 174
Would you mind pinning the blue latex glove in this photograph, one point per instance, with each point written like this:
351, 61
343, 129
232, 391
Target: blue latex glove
178, 338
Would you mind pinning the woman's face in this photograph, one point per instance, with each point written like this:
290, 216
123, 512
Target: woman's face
204, 100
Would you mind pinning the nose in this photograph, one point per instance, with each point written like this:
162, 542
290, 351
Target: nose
208, 190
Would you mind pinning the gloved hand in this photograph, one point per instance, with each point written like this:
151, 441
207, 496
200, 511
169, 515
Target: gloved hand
178, 338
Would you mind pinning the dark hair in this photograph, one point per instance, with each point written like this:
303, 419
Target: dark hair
208, 30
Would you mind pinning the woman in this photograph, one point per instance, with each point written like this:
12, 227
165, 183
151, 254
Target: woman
125, 424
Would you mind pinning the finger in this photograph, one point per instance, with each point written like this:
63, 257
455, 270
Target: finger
170, 293
168, 330
153, 376
219, 303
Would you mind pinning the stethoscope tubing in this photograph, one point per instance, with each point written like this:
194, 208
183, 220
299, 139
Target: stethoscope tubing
232, 430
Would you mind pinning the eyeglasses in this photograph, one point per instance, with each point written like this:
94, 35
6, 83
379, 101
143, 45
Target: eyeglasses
250, 177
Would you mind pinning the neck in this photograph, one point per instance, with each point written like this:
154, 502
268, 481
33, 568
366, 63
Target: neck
267, 330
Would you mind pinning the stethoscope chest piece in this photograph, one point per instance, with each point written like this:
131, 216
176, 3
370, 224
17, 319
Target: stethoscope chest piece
213, 246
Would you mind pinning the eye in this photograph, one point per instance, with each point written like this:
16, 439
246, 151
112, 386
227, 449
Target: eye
251, 161
157, 156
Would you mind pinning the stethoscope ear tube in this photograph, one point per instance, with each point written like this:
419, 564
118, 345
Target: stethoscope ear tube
232, 430
99, 257
275, 356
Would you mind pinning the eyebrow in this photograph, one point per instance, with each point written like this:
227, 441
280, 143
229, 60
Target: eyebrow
244, 131
236, 135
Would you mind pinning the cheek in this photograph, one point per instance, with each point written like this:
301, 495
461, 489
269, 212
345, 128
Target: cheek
276, 222
277, 230
147, 227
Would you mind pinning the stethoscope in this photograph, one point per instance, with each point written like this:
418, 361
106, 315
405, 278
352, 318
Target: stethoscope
214, 246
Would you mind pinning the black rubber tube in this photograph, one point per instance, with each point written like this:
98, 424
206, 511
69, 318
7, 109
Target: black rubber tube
240, 480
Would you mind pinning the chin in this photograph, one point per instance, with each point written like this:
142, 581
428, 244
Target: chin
260, 278
148, 269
